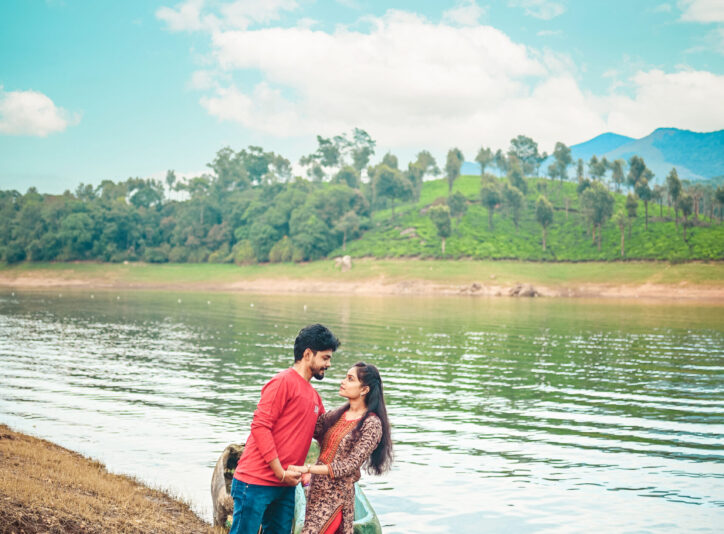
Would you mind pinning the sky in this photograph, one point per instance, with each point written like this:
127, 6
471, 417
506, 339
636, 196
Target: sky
100, 89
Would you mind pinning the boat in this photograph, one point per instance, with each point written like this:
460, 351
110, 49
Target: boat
365, 518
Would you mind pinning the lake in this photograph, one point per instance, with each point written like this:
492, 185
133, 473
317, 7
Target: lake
541, 415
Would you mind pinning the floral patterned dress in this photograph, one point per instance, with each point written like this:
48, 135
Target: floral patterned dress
343, 455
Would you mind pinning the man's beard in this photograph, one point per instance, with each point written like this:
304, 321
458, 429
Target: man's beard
318, 374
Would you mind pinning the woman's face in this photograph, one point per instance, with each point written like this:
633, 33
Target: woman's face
351, 387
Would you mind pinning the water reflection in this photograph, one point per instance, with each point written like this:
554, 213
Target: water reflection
524, 416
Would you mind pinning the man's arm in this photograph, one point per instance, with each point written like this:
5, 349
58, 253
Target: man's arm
271, 404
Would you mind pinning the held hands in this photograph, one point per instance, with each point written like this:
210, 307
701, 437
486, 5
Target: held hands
290, 477
301, 469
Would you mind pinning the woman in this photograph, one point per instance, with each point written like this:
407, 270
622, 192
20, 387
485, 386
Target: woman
353, 435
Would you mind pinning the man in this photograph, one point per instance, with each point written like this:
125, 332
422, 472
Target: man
281, 432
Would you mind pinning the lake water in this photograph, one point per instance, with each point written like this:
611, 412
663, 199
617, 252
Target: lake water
508, 415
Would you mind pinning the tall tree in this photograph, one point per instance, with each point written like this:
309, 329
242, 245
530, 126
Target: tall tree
458, 205
598, 204
617, 175
514, 201
562, 159
391, 184
579, 170
484, 158
348, 225
362, 149
526, 150
515, 175
620, 219
673, 184
452, 167
544, 216
719, 195
490, 197
500, 162
644, 193
686, 205
440, 216
636, 170
631, 206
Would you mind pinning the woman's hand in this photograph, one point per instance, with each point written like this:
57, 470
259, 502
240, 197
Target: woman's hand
306, 478
301, 469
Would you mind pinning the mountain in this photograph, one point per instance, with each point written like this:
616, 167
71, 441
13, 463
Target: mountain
696, 156
601, 144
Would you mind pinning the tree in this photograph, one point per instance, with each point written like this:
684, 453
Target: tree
349, 176
620, 219
490, 197
440, 216
362, 149
636, 170
562, 157
631, 206
544, 216
657, 195
598, 202
170, 180
500, 162
458, 205
484, 158
579, 170
720, 199
617, 173
686, 205
673, 184
526, 150
597, 167
513, 200
644, 193
391, 184
390, 160
515, 175
424, 164
452, 167
348, 225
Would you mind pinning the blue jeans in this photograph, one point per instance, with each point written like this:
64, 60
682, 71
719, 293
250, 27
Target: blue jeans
271, 507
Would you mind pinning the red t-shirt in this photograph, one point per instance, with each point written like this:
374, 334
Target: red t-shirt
282, 427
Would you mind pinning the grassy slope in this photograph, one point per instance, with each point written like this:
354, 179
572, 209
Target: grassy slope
45, 488
568, 238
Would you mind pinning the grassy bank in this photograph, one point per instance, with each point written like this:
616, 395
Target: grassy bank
45, 488
373, 276
410, 232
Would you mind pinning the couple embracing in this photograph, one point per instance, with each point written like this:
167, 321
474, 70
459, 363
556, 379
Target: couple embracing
289, 414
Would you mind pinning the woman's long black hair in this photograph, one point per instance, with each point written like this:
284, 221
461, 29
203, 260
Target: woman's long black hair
381, 458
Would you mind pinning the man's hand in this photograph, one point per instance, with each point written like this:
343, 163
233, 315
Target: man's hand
291, 478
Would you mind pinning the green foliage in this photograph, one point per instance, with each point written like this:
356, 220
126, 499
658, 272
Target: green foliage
452, 166
245, 211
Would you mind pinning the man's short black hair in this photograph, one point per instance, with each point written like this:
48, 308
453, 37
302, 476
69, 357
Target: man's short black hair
316, 337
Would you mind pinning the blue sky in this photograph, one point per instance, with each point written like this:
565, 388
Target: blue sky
93, 90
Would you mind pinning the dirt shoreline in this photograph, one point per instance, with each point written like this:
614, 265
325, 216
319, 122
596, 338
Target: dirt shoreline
45, 488
378, 286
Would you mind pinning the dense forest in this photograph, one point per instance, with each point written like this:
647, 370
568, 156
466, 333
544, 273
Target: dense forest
249, 208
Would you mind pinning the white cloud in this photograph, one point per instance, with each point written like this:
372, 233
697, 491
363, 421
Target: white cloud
458, 86
685, 99
195, 15
705, 11
32, 113
541, 9
465, 13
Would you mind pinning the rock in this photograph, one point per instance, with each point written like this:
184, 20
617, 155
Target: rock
523, 290
343, 262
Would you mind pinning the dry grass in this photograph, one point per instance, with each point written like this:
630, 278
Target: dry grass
45, 488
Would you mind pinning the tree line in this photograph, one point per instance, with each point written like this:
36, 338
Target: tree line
249, 208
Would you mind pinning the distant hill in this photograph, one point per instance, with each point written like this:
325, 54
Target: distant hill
696, 156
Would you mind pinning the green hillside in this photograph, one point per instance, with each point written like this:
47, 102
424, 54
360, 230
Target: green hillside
412, 233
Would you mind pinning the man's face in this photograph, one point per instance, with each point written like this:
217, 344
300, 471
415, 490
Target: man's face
320, 362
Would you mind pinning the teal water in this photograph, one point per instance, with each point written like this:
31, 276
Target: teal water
508, 415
